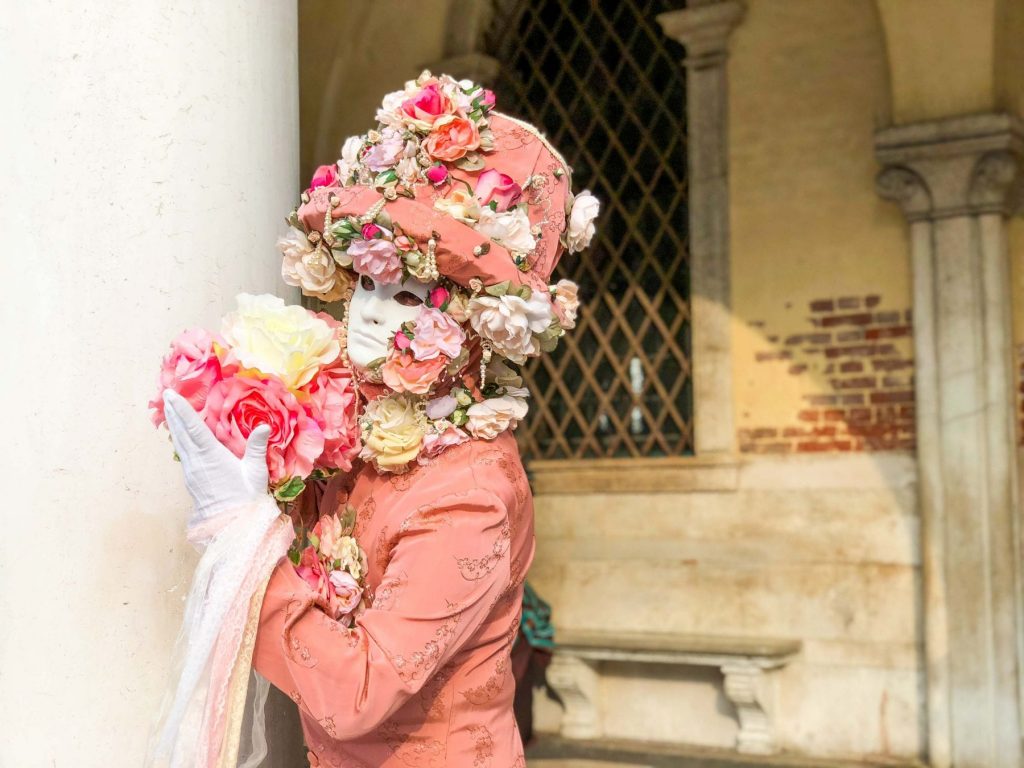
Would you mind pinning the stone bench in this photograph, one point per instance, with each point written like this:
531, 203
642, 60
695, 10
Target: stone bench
743, 661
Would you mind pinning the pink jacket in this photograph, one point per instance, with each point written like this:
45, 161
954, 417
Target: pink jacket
423, 679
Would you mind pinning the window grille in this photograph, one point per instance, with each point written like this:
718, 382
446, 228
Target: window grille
608, 89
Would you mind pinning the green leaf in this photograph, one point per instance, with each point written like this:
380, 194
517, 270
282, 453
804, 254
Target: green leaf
470, 162
290, 490
348, 520
498, 289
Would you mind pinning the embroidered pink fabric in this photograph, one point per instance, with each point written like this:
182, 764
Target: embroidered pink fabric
423, 678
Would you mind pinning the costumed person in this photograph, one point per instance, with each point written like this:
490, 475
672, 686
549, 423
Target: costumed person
438, 231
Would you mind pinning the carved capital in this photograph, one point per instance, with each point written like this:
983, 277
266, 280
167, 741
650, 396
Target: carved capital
704, 30
997, 183
962, 166
906, 188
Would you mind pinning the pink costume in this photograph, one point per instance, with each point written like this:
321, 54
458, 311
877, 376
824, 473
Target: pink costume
423, 678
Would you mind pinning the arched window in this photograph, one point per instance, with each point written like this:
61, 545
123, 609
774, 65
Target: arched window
605, 84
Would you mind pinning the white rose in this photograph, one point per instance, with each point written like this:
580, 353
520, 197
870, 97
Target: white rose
509, 322
349, 159
581, 221
390, 111
510, 229
307, 267
289, 342
493, 416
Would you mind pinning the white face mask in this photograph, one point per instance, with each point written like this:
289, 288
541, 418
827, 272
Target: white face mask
376, 311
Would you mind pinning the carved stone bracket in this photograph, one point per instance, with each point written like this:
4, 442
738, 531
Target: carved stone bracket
576, 682
704, 29
745, 684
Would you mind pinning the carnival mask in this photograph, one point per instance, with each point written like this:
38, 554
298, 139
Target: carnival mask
376, 312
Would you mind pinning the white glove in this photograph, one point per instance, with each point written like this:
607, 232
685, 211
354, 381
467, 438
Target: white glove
216, 479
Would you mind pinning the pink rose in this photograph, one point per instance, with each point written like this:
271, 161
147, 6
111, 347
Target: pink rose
437, 174
332, 398
402, 341
435, 442
384, 154
435, 333
236, 406
441, 407
404, 373
347, 593
324, 176
370, 231
439, 296
427, 106
191, 368
487, 100
497, 187
376, 258
451, 138
311, 570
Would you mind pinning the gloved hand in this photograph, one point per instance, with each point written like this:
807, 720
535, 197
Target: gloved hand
216, 479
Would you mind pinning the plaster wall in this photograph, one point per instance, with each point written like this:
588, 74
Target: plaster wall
149, 160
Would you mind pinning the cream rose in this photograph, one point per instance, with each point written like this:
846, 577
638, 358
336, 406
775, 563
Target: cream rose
510, 322
567, 303
581, 221
494, 415
309, 268
289, 342
460, 205
393, 432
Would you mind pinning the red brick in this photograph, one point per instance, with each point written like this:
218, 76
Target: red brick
887, 333
851, 366
891, 365
821, 399
783, 354
809, 447
857, 334
895, 382
795, 370
857, 382
861, 318
887, 318
858, 415
834, 415
807, 415
823, 305
856, 399
872, 301
892, 397
849, 302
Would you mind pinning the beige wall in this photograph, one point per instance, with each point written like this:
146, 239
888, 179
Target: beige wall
350, 55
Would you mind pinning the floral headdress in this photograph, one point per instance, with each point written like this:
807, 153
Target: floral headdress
446, 189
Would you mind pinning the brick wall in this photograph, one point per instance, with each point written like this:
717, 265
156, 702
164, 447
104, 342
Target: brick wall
855, 356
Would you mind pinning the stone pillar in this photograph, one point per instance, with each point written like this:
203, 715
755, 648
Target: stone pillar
149, 156
958, 180
704, 29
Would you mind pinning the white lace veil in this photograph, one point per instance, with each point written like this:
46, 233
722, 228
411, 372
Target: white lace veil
214, 692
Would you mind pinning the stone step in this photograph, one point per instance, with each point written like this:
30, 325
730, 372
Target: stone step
555, 752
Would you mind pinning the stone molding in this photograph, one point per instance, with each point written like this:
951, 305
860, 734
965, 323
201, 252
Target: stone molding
955, 167
704, 29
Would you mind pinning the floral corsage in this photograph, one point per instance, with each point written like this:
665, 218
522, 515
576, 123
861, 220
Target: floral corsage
330, 560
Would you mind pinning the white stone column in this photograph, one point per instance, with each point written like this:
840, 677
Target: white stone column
704, 29
149, 155
958, 180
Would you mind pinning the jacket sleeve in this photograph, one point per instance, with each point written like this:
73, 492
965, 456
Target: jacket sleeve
448, 567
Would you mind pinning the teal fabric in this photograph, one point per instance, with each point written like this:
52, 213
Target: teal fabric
536, 623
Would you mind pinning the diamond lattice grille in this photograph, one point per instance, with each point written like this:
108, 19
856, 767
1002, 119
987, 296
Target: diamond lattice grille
607, 87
